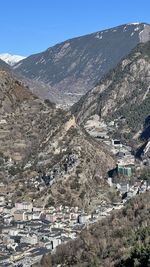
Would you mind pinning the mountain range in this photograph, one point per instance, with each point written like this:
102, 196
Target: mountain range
122, 92
110, 72
69, 69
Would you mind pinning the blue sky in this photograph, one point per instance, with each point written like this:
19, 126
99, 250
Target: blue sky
31, 26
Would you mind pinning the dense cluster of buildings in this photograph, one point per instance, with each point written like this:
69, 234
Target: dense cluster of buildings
29, 230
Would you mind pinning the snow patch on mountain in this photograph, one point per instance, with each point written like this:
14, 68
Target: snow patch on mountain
11, 59
134, 23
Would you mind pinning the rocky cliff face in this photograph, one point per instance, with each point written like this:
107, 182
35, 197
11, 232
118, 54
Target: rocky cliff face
71, 68
123, 92
83, 185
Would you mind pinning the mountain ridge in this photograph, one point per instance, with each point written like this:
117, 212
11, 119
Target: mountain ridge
72, 67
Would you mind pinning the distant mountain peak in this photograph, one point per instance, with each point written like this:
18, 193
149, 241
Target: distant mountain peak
11, 59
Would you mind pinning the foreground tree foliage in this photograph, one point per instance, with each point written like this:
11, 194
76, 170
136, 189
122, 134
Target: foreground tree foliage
120, 240
139, 257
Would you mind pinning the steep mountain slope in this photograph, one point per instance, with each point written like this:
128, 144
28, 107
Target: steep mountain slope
84, 184
21, 114
43, 90
11, 91
123, 92
3, 64
72, 68
11, 59
34, 133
